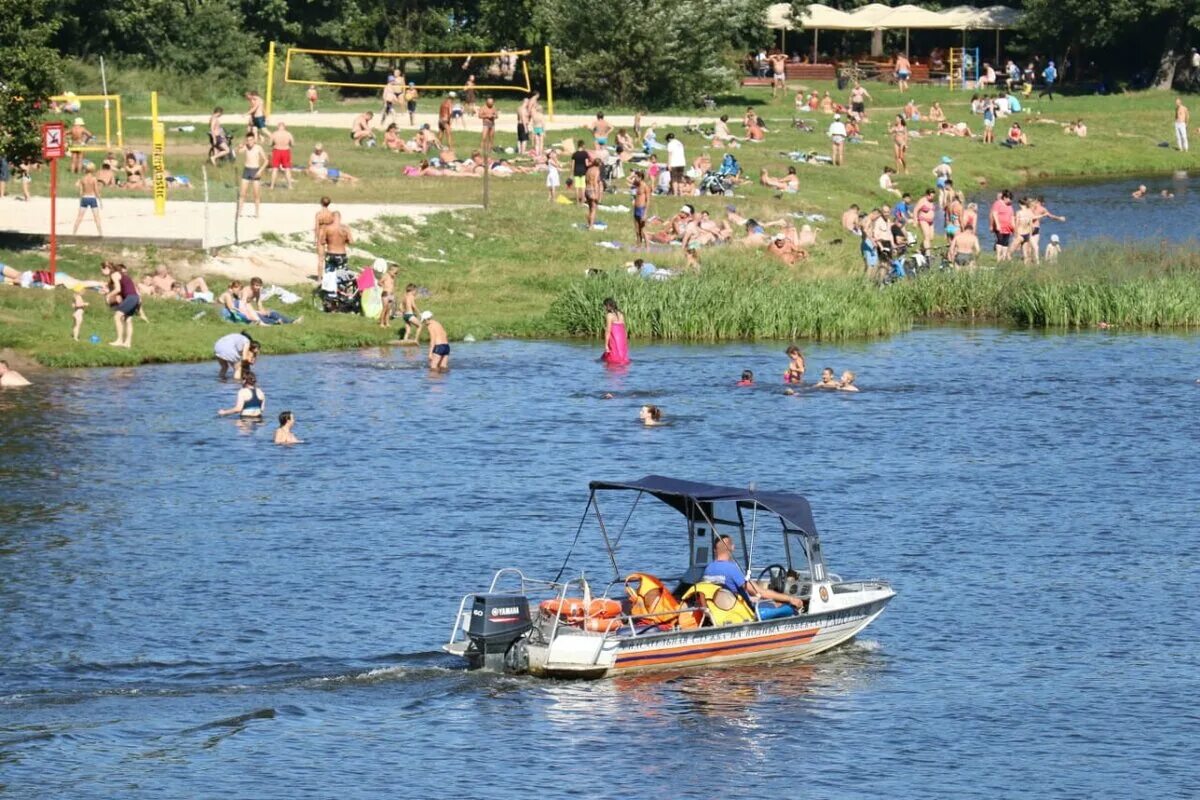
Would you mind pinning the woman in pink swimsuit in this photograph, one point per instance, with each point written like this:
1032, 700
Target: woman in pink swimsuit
616, 343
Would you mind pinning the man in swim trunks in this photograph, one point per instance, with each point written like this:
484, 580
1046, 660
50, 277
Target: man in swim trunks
335, 237
903, 72
361, 132
10, 377
89, 198
858, 104
252, 170
778, 73
641, 206
439, 343
964, 247
523, 125
837, 137
601, 128
258, 119
487, 118
1023, 227
281, 153
445, 111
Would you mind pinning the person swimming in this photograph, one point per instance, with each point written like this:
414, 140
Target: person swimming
650, 416
1140, 192
251, 401
827, 380
846, 384
747, 378
795, 368
284, 434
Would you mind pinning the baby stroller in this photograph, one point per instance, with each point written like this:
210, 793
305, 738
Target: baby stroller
338, 293
610, 173
715, 183
729, 167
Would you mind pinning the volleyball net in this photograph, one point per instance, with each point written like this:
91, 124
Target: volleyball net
101, 115
501, 71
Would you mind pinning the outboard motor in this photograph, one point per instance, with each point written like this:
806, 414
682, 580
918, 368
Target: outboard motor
497, 622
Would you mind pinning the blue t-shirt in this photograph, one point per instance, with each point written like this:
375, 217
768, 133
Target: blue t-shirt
727, 574
901, 211
1050, 74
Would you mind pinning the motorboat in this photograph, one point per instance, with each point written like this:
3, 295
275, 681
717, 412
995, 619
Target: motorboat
574, 627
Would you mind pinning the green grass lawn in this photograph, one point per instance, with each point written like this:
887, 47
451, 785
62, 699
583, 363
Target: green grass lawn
498, 271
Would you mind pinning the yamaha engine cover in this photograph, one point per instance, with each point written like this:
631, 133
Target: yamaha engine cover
497, 621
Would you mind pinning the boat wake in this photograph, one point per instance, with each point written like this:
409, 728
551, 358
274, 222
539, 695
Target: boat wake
79, 682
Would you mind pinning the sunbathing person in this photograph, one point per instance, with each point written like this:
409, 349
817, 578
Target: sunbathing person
788, 183
1016, 136
393, 141
673, 228
783, 248
360, 131
319, 169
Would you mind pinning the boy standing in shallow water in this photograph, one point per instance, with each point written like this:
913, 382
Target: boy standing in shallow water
439, 343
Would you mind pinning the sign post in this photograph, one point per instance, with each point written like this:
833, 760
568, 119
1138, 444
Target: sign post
54, 147
158, 158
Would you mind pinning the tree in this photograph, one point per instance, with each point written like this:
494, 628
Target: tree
1120, 36
651, 53
29, 75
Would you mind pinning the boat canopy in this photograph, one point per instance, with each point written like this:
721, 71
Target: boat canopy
689, 498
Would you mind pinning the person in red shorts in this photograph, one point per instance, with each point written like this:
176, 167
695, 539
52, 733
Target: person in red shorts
281, 154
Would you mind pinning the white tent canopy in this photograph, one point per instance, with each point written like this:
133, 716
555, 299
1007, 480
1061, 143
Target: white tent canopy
877, 16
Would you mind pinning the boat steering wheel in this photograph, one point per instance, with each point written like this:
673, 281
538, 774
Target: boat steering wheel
776, 575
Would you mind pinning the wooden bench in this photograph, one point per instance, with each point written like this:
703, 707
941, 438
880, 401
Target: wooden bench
920, 73
811, 72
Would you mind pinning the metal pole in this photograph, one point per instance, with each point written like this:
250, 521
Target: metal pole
53, 218
270, 78
549, 85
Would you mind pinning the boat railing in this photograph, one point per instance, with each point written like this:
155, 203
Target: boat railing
842, 587
526, 582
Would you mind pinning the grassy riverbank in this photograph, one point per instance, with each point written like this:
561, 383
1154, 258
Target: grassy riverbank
517, 268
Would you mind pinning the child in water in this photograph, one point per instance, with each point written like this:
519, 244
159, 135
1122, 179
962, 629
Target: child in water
77, 313
284, 434
795, 368
827, 380
650, 416
747, 378
846, 384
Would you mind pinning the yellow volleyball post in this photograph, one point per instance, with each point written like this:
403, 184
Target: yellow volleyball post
549, 85
158, 158
270, 77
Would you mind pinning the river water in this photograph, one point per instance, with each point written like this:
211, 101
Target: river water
1105, 210
188, 611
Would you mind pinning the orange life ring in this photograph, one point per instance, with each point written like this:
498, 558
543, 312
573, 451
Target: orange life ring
570, 608
573, 610
604, 608
602, 624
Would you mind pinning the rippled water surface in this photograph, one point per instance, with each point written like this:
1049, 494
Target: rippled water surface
188, 611
1105, 210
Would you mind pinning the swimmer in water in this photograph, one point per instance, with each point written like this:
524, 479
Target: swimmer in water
650, 416
251, 400
284, 434
747, 378
846, 384
1139, 193
827, 380
1166, 195
10, 377
795, 368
